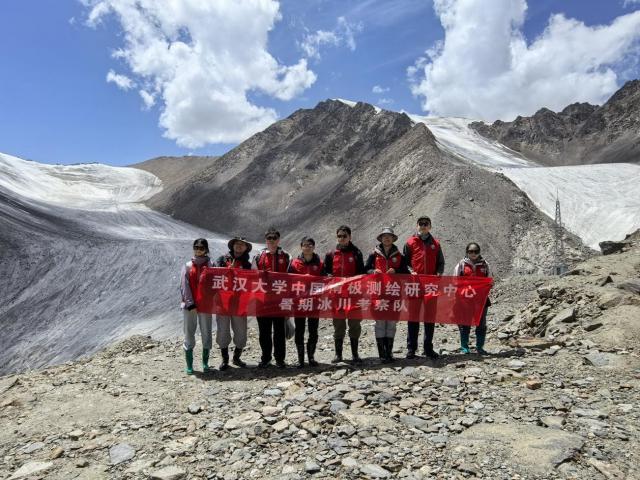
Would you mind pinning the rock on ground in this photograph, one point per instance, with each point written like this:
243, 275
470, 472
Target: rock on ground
528, 449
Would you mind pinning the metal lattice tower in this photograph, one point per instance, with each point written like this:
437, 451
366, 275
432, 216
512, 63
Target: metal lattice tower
559, 266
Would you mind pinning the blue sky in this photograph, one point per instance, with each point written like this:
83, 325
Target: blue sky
56, 105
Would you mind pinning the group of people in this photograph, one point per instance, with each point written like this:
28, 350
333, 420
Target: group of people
421, 254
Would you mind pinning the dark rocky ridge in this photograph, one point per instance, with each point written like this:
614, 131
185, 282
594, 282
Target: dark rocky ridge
174, 173
579, 134
335, 164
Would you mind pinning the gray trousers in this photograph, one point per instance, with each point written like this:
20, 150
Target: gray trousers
191, 321
386, 328
223, 333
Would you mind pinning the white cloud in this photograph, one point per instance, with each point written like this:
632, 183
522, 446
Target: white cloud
122, 81
148, 99
378, 89
630, 2
385, 101
343, 34
198, 60
485, 68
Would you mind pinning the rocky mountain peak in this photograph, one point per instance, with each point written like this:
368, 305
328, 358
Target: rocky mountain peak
580, 134
579, 112
629, 91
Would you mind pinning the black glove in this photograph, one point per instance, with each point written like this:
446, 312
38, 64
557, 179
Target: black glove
191, 307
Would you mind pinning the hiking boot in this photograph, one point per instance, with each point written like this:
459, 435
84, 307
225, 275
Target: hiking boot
236, 358
225, 359
338, 346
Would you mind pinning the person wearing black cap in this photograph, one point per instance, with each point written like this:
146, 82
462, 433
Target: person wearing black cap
237, 257
424, 257
307, 263
189, 279
386, 258
272, 258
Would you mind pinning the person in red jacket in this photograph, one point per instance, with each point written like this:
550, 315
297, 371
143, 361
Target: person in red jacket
424, 257
307, 263
272, 259
237, 257
473, 265
192, 318
386, 258
345, 261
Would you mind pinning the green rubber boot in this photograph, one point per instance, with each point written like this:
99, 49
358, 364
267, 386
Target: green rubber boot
188, 356
464, 340
205, 360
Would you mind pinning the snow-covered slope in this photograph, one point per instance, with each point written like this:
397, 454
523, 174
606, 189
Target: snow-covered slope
87, 186
598, 202
84, 261
454, 136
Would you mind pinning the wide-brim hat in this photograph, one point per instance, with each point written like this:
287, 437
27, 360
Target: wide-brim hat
240, 239
387, 231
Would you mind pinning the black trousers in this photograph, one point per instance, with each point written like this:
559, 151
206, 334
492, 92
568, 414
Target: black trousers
413, 332
272, 337
313, 330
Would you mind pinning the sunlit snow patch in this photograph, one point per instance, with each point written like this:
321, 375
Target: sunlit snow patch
353, 104
599, 202
454, 135
86, 186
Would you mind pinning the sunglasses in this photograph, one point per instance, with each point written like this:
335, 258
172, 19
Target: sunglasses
424, 224
342, 236
307, 245
271, 237
473, 251
198, 247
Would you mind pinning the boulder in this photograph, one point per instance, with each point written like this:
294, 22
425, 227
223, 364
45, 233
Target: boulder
245, 420
568, 315
364, 421
120, 453
608, 247
602, 359
375, 471
632, 286
31, 468
592, 325
529, 450
171, 472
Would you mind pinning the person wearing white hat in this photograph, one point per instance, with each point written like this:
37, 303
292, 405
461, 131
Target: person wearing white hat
237, 257
386, 258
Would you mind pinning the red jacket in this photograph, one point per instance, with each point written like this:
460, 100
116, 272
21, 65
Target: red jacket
466, 268
272, 262
194, 276
344, 263
378, 261
424, 257
302, 267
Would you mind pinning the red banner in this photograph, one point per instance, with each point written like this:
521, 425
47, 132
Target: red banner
424, 298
